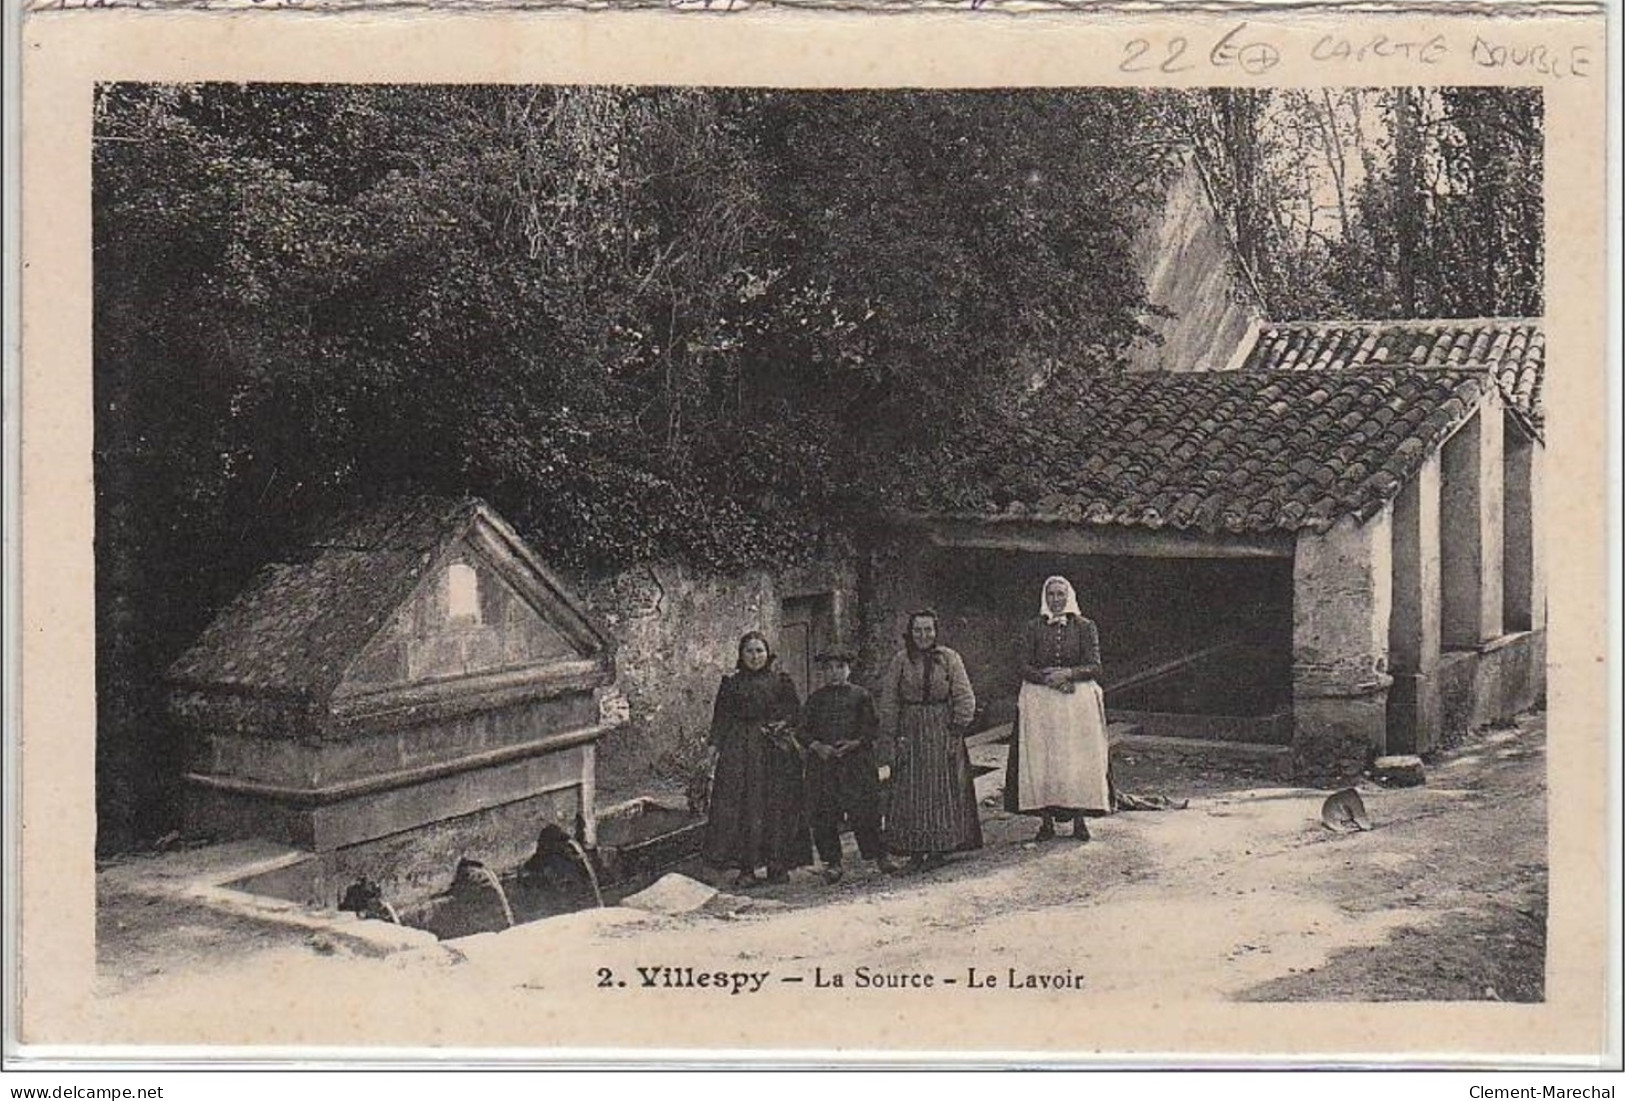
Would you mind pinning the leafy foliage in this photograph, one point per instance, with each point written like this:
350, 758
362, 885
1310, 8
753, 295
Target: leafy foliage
1379, 203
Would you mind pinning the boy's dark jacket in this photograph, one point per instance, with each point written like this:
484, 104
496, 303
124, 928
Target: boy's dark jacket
838, 713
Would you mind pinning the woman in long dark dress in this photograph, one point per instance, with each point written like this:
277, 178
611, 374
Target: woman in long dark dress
758, 811
926, 708
1058, 758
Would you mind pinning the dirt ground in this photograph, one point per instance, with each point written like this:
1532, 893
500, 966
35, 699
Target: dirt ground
1242, 896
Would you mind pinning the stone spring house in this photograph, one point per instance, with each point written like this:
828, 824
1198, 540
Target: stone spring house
1466, 572
1334, 545
413, 686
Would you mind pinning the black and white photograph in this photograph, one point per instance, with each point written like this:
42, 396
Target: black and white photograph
651, 550
600, 497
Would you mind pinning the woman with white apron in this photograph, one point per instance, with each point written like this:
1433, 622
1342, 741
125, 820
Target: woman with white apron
1058, 757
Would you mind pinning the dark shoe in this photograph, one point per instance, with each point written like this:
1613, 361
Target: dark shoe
933, 861
1046, 831
832, 874
1080, 830
746, 880
886, 865
776, 877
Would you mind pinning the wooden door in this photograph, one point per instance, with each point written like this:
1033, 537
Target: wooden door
796, 655
806, 626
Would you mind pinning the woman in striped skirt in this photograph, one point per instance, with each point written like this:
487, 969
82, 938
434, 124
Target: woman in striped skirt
926, 708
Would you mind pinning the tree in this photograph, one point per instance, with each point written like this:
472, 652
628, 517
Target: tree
922, 237
1395, 202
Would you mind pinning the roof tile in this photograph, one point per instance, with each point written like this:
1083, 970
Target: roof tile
294, 630
1512, 350
1221, 451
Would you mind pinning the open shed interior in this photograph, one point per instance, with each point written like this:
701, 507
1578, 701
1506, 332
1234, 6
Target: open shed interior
1181, 636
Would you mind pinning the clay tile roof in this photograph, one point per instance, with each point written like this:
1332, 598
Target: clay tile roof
1511, 350
1108, 460
297, 626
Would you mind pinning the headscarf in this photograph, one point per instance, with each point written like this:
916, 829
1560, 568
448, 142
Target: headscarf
1071, 601
908, 632
928, 658
739, 657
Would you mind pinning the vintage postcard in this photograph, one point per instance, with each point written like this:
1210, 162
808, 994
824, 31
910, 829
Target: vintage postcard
960, 534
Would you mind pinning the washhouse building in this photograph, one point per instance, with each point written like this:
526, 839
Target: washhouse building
1333, 546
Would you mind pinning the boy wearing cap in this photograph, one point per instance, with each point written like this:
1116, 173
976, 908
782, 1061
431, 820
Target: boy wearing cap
840, 726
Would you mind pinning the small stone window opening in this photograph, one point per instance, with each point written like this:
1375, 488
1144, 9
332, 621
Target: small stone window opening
463, 592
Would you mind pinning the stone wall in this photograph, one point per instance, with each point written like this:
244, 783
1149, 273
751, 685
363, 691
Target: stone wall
413, 866
1471, 516
676, 631
1523, 674
377, 803
1523, 582
221, 744
1413, 628
1489, 687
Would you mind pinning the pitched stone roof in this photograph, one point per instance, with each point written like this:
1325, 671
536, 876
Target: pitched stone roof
297, 627
1512, 350
1230, 451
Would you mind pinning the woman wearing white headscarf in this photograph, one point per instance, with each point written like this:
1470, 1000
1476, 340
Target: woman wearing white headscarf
1057, 764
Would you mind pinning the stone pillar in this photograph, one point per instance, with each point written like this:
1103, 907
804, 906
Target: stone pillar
588, 813
1537, 572
1413, 628
1521, 566
1342, 599
1471, 540
1537, 536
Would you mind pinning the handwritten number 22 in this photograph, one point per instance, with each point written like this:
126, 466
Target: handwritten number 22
1135, 60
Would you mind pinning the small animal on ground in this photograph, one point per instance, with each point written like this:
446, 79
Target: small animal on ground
1344, 811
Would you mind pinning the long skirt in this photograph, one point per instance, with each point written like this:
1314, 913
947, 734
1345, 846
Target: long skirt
758, 807
1059, 756
933, 801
